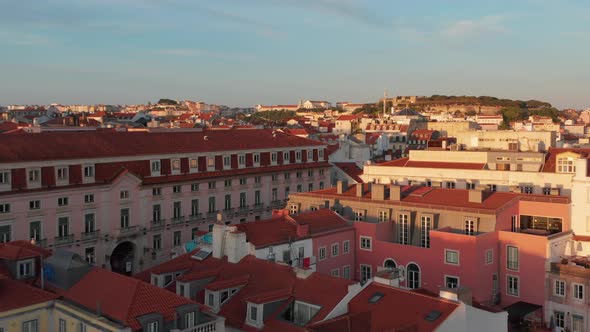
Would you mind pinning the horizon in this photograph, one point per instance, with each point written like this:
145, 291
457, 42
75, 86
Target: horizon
280, 51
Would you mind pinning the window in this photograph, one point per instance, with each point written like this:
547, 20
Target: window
365, 273
253, 313
299, 188
526, 189
189, 319
88, 171
298, 155
34, 175
515, 224
365, 243
321, 185
153, 327
403, 229
425, 227
176, 164
321, 172
335, 249
226, 161
309, 155
35, 205
155, 166
322, 253
177, 238
547, 191
242, 159
299, 175
25, 269
62, 173
578, 291
242, 181
5, 233
194, 207
383, 216
211, 184
124, 218
469, 227
177, 210
489, 256
359, 215
89, 255
451, 282
227, 202
413, 272
82, 327
559, 319
310, 187
62, 201
470, 185
512, 258
157, 242
346, 272
194, 164
124, 194
287, 191
89, 223
194, 187
559, 289
492, 187
512, 285
293, 209
210, 162
88, 198
227, 183
177, 189
335, 273
451, 185
31, 326
5, 177
35, 230
286, 155
212, 205
62, 325
451, 257
156, 212
345, 247
257, 179
566, 165
321, 154
243, 202
63, 227
4, 208
257, 158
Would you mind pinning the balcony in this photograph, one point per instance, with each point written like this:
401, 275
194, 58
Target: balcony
211, 215
244, 209
127, 231
571, 268
207, 323
258, 207
229, 211
63, 240
157, 224
177, 220
89, 236
278, 204
41, 243
195, 217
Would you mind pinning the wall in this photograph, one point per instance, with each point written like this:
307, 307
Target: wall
12, 321
342, 259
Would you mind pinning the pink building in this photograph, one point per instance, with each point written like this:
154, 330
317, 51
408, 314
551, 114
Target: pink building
128, 200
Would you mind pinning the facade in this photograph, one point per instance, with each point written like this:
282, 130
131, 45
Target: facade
126, 201
496, 244
537, 141
548, 173
346, 124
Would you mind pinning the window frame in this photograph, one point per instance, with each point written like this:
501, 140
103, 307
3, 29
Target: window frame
368, 240
457, 255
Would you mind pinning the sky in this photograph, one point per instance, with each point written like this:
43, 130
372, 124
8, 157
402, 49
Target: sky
248, 52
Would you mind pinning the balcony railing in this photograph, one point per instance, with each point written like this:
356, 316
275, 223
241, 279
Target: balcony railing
243, 209
177, 220
229, 211
87, 236
212, 215
209, 323
258, 207
41, 243
63, 240
127, 231
195, 217
277, 204
570, 269
157, 224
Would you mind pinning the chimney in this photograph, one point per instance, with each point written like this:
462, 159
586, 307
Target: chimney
360, 190
235, 246
395, 193
378, 191
218, 235
475, 196
444, 144
341, 186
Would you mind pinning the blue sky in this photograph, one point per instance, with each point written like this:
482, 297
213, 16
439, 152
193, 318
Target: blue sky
245, 52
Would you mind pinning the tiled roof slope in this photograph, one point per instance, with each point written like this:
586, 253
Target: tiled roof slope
96, 144
17, 250
406, 162
351, 169
15, 294
411, 309
123, 298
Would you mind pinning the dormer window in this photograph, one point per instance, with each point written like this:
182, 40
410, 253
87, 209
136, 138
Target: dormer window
4, 177
226, 161
210, 162
194, 164
89, 171
256, 158
300, 313
62, 173
566, 165
34, 175
298, 156
153, 327
309, 155
176, 165
242, 160
321, 154
254, 317
156, 167
273, 157
25, 269
286, 155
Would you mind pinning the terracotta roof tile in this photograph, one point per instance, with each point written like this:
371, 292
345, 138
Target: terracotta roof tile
15, 294
352, 170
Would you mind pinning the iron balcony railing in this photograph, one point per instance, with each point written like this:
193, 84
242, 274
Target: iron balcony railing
87, 236
63, 240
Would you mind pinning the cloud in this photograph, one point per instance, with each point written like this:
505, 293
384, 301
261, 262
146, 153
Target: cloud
196, 52
472, 28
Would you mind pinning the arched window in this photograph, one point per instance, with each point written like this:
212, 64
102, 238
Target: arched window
389, 264
413, 276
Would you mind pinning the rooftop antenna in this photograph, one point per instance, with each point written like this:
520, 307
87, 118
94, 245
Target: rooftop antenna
384, 101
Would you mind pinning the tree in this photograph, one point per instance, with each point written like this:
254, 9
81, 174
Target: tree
471, 113
166, 101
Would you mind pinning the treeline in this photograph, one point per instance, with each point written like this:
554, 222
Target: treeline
510, 114
272, 117
481, 101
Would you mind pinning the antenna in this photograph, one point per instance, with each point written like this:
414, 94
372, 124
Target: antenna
384, 101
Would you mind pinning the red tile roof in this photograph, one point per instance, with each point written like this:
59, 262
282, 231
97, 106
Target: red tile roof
17, 250
15, 294
551, 158
347, 118
406, 162
366, 316
352, 170
96, 144
7, 126
296, 131
122, 298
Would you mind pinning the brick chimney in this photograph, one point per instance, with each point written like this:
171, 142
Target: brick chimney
475, 196
395, 193
341, 186
378, 191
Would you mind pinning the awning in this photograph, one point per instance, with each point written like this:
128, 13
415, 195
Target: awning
518, 310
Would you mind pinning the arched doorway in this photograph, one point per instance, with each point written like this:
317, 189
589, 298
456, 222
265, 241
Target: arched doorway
413, 274
122, 258
389, 264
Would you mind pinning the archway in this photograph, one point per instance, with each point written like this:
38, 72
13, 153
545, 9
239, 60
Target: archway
389, 264
122, 258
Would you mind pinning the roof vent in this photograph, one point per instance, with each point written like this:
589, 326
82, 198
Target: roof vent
205, 138
376, 297
433, 315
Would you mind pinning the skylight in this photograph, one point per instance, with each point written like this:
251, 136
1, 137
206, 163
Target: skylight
433, 315
201, 255
376, 297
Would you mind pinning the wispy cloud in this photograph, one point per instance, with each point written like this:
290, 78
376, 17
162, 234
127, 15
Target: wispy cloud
472, 28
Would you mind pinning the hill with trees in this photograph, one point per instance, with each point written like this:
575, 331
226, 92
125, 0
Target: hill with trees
479, 101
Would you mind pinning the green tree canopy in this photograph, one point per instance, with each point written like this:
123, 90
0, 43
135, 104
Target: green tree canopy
166, 101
